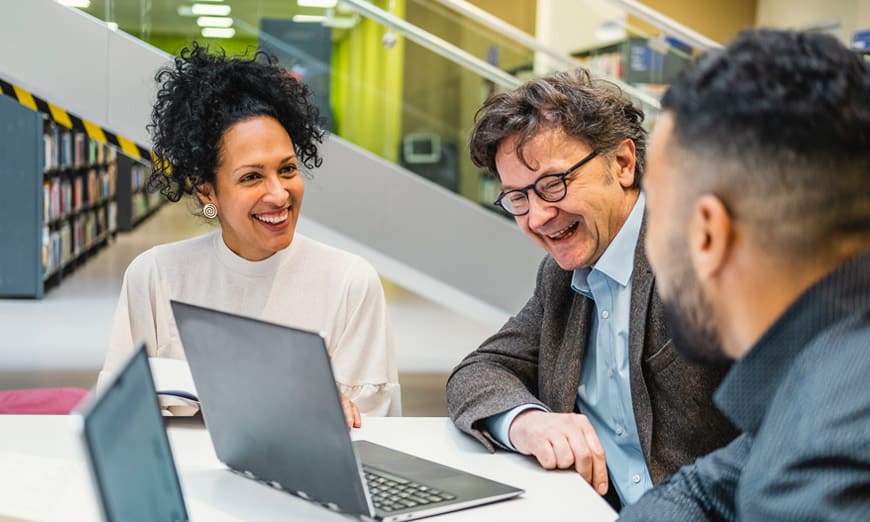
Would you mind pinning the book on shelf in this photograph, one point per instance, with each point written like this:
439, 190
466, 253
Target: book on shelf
77, 197
66, 243
92, 152
94, 192
46, 250
54, 209
65, 158
55, 251
112, 216
79, 149
174, 385
48, 150
112, 173
46, 201
51, 147
66, 196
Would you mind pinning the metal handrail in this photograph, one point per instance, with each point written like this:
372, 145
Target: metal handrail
505, 29
434, 44
523, 38
667, 24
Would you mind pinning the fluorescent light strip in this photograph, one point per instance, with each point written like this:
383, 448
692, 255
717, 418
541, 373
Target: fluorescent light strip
83, 4
327, 4
341, 22
218, 32
308, 19
210, 10
214, 21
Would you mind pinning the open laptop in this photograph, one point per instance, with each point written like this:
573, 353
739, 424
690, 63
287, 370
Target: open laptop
129, 455
274, 414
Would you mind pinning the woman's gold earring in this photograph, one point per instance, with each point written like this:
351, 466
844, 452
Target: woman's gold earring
209, 210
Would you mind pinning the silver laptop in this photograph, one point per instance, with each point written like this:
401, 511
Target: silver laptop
128, 452
273, 411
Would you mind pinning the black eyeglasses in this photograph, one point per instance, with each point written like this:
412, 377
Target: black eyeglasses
551, 188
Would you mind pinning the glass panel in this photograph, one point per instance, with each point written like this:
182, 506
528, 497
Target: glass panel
478, 39
378, 90
592, 33
595, 33
394, 97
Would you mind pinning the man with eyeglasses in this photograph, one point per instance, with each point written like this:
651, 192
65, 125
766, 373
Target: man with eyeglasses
584, 376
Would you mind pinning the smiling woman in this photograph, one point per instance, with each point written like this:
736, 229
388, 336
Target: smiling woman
257, 191
233, 134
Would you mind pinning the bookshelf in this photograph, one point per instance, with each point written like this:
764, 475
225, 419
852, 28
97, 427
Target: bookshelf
59, 199
20, 200
134, 202
651, 63
79, 209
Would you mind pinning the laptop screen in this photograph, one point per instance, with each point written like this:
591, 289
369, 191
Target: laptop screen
130, 454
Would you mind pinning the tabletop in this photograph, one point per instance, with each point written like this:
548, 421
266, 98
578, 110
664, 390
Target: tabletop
43, 475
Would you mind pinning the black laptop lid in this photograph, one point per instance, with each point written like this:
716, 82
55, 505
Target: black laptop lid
284, 431
129, 452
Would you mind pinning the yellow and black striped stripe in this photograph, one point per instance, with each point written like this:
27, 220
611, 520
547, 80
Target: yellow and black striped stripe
71, 121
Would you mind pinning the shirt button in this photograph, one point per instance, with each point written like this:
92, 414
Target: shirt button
635, 479
605, 314
619, 430
610, 372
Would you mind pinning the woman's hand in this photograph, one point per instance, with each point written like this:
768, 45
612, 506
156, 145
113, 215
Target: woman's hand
351, 412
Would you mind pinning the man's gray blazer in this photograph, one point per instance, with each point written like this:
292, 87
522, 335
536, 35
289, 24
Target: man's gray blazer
536, 357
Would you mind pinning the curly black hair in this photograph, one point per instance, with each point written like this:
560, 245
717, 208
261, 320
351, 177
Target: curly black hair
778, 126
202, 94
596, 112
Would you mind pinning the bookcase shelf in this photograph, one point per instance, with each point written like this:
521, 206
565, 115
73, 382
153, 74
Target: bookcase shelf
60, 195
134, 203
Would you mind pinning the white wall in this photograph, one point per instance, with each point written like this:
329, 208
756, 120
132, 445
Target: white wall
571, 25
853, 15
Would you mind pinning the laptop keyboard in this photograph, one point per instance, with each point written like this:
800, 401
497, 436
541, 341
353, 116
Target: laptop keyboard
392, 493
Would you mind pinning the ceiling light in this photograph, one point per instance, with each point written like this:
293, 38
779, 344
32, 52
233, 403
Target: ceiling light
342, 22
214, 21
327, 4
84, 4
308, 19
210, 10
112, 25
218, 32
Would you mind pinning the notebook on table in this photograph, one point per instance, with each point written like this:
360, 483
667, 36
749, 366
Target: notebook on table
273, 411
128, 451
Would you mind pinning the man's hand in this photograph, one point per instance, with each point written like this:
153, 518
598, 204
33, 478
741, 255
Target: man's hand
351, 412
561, 440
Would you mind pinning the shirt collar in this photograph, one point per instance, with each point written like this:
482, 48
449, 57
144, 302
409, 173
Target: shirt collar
748, 389
617, 261
238, 264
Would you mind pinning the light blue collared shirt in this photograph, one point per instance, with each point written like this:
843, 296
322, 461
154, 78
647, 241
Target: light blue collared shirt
604, 392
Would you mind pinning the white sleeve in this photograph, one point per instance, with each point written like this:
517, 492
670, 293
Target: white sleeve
364, 360
133, 321
141, 316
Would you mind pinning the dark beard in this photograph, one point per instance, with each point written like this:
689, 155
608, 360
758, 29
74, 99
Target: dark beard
692, 331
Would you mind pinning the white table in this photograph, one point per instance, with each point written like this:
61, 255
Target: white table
43, 475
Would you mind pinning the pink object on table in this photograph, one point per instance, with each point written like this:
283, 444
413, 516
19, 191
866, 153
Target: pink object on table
40, 401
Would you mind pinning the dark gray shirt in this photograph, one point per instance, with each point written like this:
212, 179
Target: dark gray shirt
801, 397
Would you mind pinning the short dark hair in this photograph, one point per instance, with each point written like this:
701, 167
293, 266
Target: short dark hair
777, 125
596, 112
202, 94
